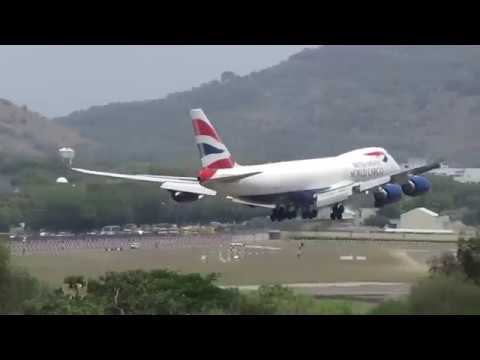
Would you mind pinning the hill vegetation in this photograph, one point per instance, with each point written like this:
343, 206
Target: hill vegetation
319, 102
26, 135
95, 202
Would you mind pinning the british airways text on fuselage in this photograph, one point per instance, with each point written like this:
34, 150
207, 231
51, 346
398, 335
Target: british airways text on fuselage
367, 169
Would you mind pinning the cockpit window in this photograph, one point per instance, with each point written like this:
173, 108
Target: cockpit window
385, 159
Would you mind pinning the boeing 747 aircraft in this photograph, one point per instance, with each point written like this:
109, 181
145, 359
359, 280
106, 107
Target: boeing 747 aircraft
289, 188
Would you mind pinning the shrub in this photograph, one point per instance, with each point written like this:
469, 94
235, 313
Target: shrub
391, 307
441, 295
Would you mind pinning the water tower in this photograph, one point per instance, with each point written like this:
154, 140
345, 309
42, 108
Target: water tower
67, 155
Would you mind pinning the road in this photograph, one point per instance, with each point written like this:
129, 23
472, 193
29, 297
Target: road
365, 290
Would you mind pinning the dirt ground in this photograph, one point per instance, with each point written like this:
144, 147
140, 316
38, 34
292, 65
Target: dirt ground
258, 262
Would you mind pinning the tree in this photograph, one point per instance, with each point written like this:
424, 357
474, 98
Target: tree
16, 287
445, 264
57, 303
468, 255
160, 292
377, 220
466, 264
443, 295
227, 76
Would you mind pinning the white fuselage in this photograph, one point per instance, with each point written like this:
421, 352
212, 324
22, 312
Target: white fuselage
313, 174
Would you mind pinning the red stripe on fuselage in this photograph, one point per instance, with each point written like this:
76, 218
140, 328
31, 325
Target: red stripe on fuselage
376, 153
202, 128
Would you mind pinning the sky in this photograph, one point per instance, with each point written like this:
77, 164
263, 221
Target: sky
57, 80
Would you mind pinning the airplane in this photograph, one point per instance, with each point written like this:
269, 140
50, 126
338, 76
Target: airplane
289, 188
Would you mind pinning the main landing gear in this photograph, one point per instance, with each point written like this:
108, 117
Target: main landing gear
309, 213
281, 213
337, 212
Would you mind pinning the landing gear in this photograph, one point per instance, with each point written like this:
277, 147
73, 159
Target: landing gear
291, 212
337, 212
281, 213
309, 213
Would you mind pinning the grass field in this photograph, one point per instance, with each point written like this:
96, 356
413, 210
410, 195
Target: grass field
320, 262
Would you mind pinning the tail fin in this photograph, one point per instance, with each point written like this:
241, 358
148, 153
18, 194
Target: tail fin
213, 153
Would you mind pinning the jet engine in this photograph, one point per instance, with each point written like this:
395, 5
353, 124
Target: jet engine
179, 196
417, 185
387, 194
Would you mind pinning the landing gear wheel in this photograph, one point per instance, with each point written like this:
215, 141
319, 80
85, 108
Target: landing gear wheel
341, 209
337, 212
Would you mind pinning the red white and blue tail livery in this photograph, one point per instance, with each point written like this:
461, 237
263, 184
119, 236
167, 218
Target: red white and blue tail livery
213, 152
289, 188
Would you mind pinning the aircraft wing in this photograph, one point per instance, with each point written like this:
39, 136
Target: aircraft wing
342, 191
251, 203
399, 178
403, 176
172, 183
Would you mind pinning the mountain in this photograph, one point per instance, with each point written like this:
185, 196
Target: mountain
28, 135
416, 101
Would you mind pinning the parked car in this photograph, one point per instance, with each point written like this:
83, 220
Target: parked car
64, 234
110, 230
130, 229
134, 245
146, 229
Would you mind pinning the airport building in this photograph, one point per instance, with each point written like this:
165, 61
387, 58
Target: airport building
423, 219
463, 175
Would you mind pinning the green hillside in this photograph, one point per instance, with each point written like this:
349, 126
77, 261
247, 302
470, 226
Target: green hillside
421, 101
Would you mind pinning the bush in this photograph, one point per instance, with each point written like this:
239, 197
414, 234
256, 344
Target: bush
377, 220
391, 307
279, 300
445, 264
468, 255
437, 295
16, 287
441, 295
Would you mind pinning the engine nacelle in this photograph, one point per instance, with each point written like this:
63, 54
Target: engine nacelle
387, 194
181, 197
417, 185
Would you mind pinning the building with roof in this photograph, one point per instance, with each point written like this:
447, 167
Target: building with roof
423, 219
463, 175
